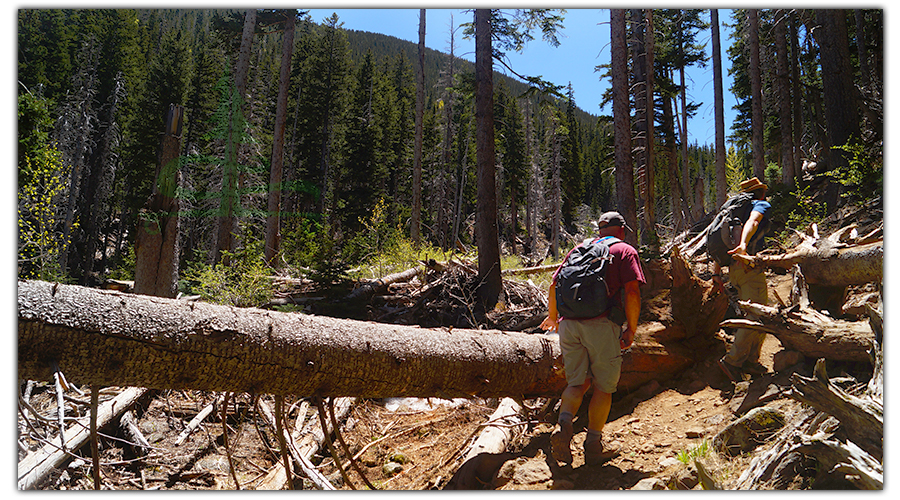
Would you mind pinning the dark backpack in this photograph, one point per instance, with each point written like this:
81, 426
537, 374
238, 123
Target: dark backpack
581, 290
725, 230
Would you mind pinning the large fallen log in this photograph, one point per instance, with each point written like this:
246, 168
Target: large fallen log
809, 332
833, 261
110, 338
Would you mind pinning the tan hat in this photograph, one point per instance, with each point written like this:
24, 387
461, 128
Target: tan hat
751, 185
612, 219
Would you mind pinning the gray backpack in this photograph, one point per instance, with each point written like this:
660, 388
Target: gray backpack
581, 290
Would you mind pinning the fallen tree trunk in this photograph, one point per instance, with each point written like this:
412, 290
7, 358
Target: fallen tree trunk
110, 338
830, 263
488, 452
809, 332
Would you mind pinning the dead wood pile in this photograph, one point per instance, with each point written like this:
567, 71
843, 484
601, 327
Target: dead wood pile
837, 441
431, 295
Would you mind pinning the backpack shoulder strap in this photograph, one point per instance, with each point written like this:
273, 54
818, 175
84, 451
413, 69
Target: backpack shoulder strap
609, 240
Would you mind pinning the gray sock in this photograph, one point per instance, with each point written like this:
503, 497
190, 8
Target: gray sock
565, 416
592, 436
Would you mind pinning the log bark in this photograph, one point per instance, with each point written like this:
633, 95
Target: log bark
831, 265
112, 338
697, 304
809, 332
109, 338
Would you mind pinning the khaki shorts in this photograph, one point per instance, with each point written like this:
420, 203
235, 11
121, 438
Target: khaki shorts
751, 285
591, 349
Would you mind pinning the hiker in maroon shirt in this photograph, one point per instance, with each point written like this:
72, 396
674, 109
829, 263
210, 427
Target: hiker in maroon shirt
592, 348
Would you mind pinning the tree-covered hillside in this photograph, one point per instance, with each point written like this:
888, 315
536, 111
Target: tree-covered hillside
101, 91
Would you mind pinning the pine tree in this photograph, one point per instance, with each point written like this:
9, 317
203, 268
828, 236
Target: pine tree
571, 170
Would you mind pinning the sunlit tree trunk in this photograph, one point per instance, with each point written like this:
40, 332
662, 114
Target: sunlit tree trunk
756, 120
486, 231
719, 99
641, 115
650, 199
622, 122
783, 88
273, 217
416, 217
676, 198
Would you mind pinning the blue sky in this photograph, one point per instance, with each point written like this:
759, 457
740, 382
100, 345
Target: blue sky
584, 44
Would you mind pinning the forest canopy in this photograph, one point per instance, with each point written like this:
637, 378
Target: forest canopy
333, 112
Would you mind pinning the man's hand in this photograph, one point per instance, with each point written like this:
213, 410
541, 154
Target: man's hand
627, 338
550, 324
747, 261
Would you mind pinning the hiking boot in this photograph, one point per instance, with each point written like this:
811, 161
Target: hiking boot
731, 371
560, 442
754, 368
596, 452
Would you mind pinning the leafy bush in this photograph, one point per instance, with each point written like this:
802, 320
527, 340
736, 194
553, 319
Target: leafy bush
243, 282
41, 215
863, 177
376, 236
303, 242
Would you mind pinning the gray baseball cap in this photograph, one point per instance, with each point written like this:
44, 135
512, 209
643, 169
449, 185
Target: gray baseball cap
612, 219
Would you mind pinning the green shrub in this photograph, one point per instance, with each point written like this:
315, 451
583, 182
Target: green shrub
244, 282
303, 241
41, 215
863, 177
